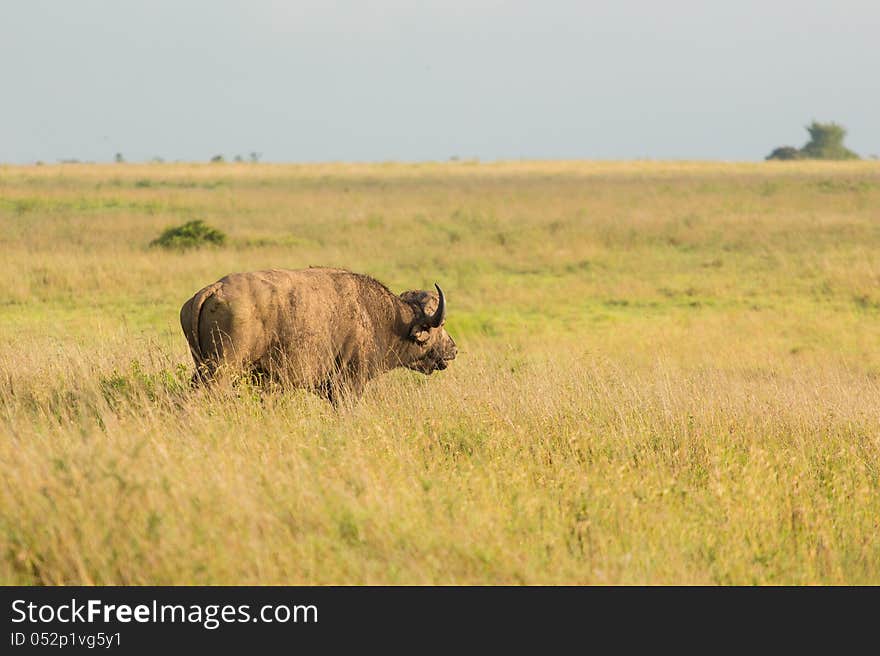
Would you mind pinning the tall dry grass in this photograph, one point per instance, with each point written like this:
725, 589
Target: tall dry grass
668, 374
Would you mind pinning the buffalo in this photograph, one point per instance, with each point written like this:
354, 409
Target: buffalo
326, 330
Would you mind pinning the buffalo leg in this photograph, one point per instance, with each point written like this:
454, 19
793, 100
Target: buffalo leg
325, 390
338, 391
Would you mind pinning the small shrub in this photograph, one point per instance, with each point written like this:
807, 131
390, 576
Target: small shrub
193, 234
785, 153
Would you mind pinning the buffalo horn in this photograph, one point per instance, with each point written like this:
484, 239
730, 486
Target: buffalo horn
440, 314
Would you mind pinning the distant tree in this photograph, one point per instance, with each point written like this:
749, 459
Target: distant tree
239, 158
255, 156
826, 142
157, 160
119, 158
216, 159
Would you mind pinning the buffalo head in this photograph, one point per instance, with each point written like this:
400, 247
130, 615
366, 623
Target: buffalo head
431, 346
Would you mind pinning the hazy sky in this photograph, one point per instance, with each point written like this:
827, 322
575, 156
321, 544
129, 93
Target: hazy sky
409, 80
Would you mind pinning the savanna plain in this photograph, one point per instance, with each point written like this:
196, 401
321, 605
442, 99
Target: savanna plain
667, 373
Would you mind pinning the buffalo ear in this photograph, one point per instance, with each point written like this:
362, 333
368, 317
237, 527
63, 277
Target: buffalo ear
419, 333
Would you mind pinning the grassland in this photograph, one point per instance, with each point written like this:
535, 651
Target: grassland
668, 373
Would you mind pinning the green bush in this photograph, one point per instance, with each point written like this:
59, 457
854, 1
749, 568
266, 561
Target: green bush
193, 234
785, 153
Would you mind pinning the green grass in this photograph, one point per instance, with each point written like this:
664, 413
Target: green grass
668, 373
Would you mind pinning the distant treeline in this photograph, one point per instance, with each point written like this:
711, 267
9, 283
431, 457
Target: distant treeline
119, 158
